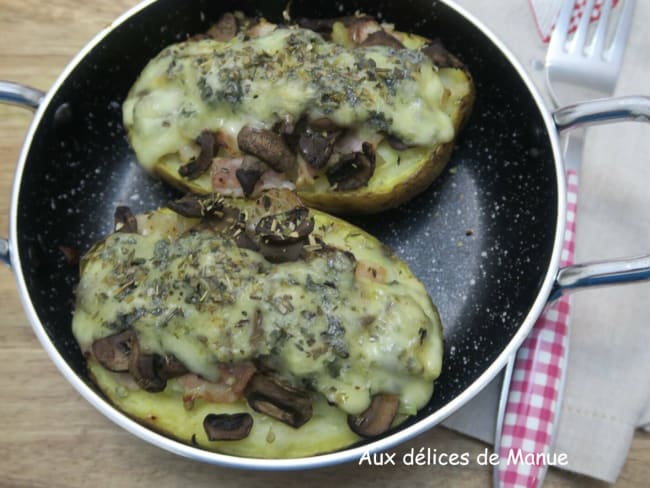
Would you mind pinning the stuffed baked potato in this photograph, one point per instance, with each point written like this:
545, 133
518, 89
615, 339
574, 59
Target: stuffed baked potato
257, 328
354, 115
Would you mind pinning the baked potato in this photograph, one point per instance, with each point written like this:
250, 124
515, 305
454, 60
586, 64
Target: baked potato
257, 328
354, 115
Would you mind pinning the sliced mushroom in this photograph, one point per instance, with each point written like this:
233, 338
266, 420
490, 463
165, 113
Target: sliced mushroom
440, 56
286, 125
125, 221
397, 143
195, 206
282, 402
377, 418
325, 26
281, 252
268, 146
168, 367
382, 38
324, 124
316, 146
209, 146
361, 27
353, 170
142, 368
227, 427
249, 173
289, 227
113, 351
244, 241
225, 29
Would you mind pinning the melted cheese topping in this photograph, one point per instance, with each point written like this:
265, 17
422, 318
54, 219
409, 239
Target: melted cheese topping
288, 72
318, 322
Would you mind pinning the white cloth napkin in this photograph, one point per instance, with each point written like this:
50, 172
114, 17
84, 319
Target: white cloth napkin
607, 393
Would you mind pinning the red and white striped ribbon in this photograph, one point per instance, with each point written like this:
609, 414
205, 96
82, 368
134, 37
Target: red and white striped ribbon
536, 385
546, 11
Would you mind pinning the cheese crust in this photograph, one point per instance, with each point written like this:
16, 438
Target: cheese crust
344, 322
396, 106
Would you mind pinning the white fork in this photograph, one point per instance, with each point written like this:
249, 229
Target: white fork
591, 58
585, 64
578, 66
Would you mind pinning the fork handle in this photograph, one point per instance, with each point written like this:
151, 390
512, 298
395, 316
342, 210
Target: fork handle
534, 382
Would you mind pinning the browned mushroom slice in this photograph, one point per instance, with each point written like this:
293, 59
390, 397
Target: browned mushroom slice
280, 252
286, 125
195, 206
397, 143
440, 56
316, 146
324, 124
324, 26
377, 418
244, 241
249, 173
290, 226
142, 368
168, 367
382, 38
268, 146
282, 402
225, 29
353, 170
202, 163
113, 351
227, 427
125, 220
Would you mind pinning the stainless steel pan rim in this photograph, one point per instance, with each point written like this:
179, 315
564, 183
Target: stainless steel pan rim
346, 455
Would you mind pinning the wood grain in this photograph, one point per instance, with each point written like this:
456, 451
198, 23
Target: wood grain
50, 436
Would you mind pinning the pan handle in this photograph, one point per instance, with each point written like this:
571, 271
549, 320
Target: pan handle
603, 111
20, 96
611, 272
601, 273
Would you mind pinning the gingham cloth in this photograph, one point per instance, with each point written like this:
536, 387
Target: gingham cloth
545, 12
538, 378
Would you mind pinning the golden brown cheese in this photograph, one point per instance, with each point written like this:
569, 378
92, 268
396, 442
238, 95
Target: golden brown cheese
345, 326
223, 86
206, 301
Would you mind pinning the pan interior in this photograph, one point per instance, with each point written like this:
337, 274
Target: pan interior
480, 238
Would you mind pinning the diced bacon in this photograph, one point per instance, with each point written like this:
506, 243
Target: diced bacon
273, 179
306, 173
352, 142
228, 389
360, 29
224, 178
261, 29
371, 271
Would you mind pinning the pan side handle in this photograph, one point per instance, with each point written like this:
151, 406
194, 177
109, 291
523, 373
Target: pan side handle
611, 272
20, 96
601, 273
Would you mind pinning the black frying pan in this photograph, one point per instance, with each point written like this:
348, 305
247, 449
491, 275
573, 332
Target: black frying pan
484, 238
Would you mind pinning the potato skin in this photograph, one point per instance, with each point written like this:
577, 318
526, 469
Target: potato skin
328, 429
376, 196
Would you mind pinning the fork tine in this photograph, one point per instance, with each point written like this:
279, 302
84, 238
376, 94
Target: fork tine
615, 53
601, 31
561, 29
578, 43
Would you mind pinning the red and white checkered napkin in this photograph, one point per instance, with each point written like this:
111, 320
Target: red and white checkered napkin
546, 11
537, 381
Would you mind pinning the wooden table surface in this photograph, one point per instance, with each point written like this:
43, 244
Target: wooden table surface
50, 437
